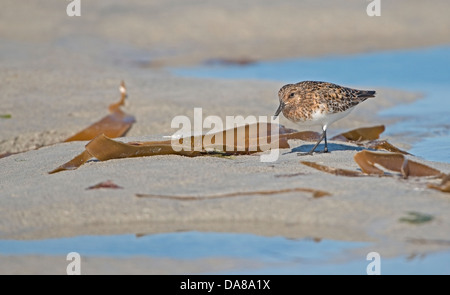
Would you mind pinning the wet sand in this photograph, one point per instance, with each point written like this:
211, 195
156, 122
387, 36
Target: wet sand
59, 74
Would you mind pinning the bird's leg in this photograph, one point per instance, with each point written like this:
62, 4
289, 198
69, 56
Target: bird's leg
324, 135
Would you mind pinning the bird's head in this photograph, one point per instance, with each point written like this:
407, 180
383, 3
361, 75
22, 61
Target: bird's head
286, 95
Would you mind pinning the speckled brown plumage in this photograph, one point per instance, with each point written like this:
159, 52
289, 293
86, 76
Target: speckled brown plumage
303, 99
319, 103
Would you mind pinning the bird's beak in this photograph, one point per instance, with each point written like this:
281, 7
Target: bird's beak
280, 108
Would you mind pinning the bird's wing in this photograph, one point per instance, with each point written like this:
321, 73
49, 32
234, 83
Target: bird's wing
340, 98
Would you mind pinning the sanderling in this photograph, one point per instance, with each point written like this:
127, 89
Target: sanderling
318, 103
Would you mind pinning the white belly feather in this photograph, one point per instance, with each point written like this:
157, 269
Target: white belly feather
325, 119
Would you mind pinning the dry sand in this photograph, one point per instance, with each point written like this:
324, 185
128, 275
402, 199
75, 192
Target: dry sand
60, 73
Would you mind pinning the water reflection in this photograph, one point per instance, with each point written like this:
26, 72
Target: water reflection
271, 255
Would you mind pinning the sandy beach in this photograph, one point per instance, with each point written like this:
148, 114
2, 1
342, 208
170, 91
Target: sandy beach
60, 73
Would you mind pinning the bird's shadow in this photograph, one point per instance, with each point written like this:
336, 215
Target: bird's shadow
332, 147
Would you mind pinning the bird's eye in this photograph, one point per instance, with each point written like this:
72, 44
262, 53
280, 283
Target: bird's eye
292, 94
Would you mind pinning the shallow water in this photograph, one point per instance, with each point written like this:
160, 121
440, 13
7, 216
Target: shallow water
278, 255
426, 121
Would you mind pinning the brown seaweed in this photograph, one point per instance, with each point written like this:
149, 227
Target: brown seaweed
444, 186
368, 160
116, 124
383, 145
244, 142
105, 184
331, 170
4, 155
392, 161
368, 137
316, 194
289, 175
361, 134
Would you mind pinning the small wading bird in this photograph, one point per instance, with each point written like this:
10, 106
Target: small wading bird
318, 103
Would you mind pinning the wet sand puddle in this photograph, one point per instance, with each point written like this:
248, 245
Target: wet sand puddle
274, 255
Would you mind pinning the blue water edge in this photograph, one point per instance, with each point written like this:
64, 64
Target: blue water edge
424, 70
279, 255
